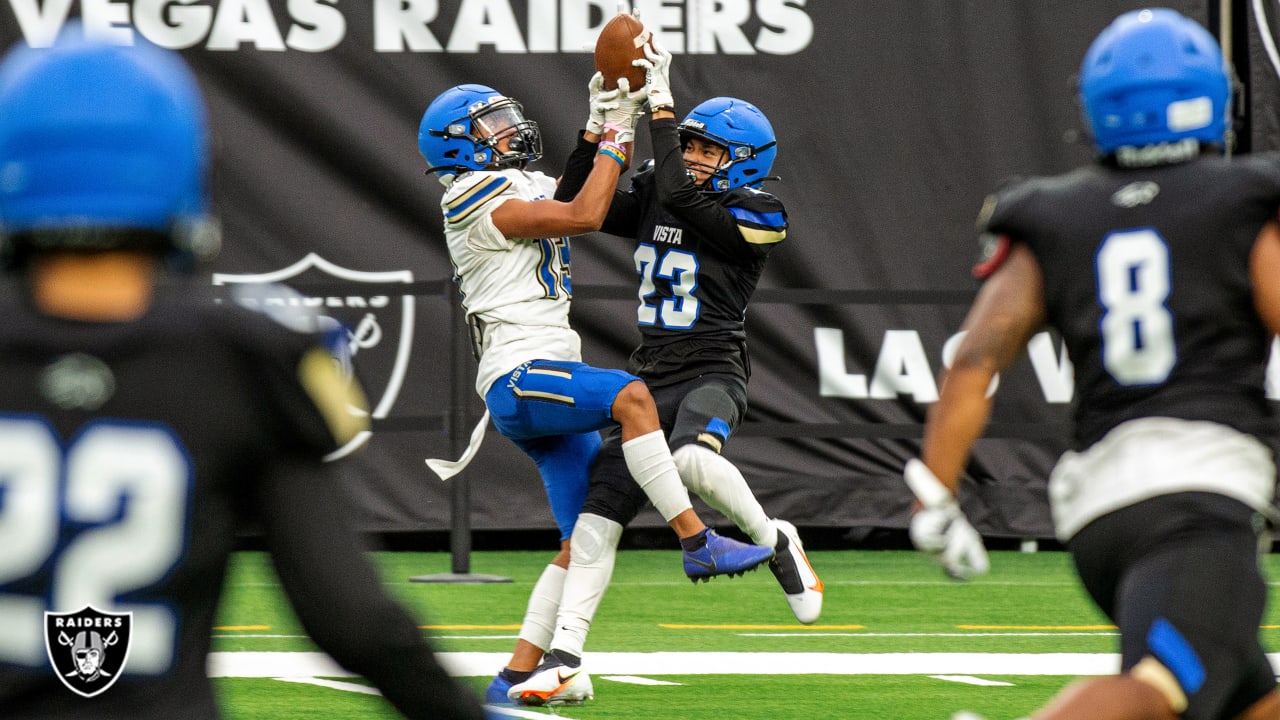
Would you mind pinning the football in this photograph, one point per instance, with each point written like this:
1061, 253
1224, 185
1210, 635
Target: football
621, 40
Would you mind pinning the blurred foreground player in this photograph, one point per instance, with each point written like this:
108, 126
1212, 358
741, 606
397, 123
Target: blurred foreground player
1160, 266
139, 431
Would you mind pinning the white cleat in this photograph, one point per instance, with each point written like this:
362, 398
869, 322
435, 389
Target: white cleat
796, 576
553, 683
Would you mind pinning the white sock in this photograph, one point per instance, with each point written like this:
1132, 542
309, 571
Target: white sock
721, 485
594, 548
539, 623
649, 460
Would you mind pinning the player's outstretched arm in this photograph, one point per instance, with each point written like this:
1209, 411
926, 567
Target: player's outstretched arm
339, 598
552, 218
585, 213
1007, 312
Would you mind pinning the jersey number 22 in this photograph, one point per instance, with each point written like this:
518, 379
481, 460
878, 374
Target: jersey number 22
126, 488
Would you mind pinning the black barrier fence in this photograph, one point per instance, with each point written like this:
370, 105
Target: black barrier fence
893, 121
459, 415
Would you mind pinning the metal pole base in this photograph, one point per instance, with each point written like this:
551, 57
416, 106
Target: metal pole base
460, 578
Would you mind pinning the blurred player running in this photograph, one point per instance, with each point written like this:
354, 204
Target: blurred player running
1159, 267
141, 429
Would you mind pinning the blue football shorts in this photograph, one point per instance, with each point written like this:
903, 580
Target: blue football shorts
553, 411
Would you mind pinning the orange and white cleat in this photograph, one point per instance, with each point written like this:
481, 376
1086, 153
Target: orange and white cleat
791, 567
553, 683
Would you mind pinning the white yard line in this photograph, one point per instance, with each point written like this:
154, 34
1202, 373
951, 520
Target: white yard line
971, 680
334, 684
970, 635
634, 680
483, 664
515, 712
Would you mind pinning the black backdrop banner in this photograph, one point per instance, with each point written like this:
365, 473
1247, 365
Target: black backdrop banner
894, 119
1262, 72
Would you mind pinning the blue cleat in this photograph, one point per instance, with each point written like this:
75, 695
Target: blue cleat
496, 693
723, 556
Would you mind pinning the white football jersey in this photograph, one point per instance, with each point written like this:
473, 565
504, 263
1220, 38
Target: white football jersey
514, 290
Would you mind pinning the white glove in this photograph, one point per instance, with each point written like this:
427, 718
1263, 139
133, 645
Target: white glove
600, 102
940, 529
657, 75
623, 112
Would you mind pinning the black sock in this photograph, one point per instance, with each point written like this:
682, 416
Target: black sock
694, 543
515, 677
567, 658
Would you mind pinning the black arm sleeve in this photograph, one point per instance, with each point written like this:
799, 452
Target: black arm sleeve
339, 598
623, 215
681, 197
576, 169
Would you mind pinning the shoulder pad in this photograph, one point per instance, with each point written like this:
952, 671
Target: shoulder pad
992, 252
997, 223
1001, 206
470, 192
1267, 166
761, 217
747, 196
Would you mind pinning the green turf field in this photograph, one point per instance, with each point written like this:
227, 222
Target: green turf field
896, 641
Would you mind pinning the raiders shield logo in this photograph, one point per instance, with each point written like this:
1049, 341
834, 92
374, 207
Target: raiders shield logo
89, 648
378, 322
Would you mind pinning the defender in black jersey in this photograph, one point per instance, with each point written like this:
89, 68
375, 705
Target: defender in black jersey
703, 232
141, 427
1158, 266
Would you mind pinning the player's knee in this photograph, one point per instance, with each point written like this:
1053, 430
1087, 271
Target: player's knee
1154, 673
634, 405
595, 539
562, 558
695, 463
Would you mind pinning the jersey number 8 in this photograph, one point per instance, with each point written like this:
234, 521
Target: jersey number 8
1138, 346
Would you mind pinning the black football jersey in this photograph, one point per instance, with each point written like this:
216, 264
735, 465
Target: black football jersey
131, 454
699, 257
1146, 275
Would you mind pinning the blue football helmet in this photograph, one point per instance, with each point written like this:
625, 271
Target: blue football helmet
99, 142
743, 130
463, 127
1155, 76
